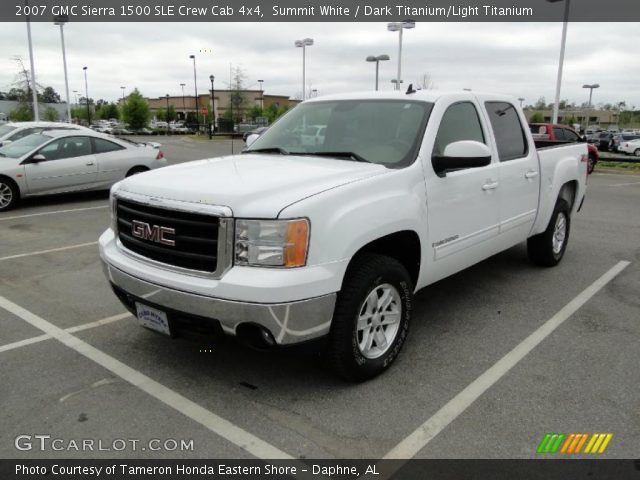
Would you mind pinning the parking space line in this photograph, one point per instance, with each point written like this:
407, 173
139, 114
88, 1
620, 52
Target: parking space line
225, 429
40, 214
78, 328
419, 438
42, 252
624, 184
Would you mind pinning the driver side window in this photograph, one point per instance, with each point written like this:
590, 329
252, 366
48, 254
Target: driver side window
68, 147
459, 122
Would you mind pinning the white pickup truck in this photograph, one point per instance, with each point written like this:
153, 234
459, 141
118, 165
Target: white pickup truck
290, 242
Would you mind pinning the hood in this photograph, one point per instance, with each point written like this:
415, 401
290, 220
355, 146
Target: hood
252, 185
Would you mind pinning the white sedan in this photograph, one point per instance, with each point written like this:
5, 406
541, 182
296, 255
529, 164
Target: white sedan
630, 147
59, 161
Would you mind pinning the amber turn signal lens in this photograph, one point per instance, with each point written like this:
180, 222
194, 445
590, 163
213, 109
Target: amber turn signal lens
296, 243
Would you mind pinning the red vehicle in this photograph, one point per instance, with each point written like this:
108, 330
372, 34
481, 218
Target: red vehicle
551, 132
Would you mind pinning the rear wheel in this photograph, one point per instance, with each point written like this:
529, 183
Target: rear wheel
9, 194
548, 247
137, 170
637, 152
591, 165
371, 318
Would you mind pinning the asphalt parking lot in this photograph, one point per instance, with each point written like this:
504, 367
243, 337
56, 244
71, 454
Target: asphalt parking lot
103, 377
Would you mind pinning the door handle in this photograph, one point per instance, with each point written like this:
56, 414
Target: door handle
88, 164
490, 185
531, 174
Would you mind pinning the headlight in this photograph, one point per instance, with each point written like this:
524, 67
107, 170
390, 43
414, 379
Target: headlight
272, 243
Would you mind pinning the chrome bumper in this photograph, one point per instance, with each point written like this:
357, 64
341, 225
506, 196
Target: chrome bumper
289, 323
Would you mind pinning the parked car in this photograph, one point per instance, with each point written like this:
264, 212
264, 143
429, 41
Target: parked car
313, 135
256, 131
12, 131
619, 139
101, 127
288, 242
605, 141
550, 132
631, 147
57, 161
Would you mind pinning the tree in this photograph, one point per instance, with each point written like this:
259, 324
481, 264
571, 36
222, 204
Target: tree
22, 113
80, 113
135, 111
255, 112
425, 82
236, 99
51, 114
108, 111
541, 104
570, 120
49, 95
537, 117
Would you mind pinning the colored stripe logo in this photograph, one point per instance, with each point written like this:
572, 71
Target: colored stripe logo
573, 443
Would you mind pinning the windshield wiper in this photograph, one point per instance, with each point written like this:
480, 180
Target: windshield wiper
350, 155
279, 150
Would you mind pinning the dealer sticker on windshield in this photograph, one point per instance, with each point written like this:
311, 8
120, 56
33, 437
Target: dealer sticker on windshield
153, 319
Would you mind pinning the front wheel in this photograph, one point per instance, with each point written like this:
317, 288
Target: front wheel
9, 194
548, 247
371, 318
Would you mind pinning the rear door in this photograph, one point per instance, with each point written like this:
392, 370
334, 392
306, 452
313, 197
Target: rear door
519, 172
69, 165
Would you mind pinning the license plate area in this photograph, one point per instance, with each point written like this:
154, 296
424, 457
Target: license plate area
153, 319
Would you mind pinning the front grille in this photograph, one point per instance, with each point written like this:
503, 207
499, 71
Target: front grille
196, 235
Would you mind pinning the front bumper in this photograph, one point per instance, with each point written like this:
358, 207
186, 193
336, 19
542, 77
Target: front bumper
296, 319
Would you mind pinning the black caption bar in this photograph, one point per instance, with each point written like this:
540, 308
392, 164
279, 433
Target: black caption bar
118, 469
320, 10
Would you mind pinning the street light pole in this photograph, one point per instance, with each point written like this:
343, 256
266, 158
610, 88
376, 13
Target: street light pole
591, 88
520, 99
123, 89
34, 93
195, 86
261, 98
184, 108
556, 103
213, 108
76, 94
377, 59
167, 97
399, 27
61, 20
86, 93
307, 42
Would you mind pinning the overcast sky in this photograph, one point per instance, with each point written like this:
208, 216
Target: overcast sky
516, 58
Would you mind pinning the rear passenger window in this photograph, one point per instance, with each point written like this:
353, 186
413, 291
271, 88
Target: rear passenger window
559, 134
571, 136
460, 122
104, 146
510, 137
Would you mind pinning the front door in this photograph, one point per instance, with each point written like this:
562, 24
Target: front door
69, 165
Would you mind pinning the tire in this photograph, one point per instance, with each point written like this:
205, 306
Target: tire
9, 194
547, 248
371, 282
137, 170
637, 152
591, 165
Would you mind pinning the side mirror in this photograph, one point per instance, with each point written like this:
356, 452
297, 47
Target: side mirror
461, 155
251, 138
37, 158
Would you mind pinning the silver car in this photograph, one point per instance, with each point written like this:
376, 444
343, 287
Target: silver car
13, 131
58, 161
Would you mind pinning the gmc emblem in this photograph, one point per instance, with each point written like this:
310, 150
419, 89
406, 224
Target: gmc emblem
155, 233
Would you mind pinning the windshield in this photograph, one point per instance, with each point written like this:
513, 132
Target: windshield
386, 132
4, 129
23, 146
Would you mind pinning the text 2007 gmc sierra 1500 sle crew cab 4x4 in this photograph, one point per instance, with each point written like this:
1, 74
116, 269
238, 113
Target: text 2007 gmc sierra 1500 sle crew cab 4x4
294, 240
